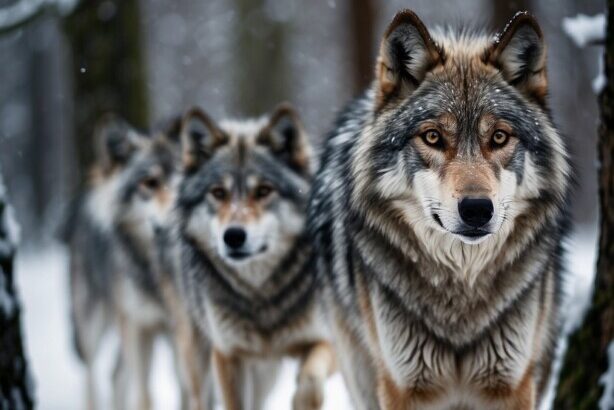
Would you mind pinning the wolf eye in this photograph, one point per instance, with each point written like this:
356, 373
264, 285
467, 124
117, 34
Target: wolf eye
151, 183
262, 191
500, 138
218, 193
432, 138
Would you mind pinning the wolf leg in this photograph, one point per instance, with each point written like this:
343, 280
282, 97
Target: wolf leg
90, 321
193, 365
229, 377
192, 355
317, 364
137, 346
356, 367
119, 382
260, 377
523, 398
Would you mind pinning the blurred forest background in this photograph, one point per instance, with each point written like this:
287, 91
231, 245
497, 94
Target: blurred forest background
150, 59
63, 63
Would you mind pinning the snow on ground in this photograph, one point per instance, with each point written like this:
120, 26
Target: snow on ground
59, 376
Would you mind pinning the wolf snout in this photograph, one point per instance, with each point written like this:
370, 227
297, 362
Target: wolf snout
235, 237
476, 212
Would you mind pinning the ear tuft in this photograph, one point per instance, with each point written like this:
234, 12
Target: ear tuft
285, 136
407, 53
116, 142
519, 52
200, 137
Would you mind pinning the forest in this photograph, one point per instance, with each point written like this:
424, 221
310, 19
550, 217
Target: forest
68, 63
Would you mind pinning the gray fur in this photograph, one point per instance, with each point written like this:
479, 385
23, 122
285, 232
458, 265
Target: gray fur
450, 317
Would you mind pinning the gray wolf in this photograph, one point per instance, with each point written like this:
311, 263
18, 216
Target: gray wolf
438, 218
117, 280
246, 270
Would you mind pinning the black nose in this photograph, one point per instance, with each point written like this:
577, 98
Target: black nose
235, 237
475, 212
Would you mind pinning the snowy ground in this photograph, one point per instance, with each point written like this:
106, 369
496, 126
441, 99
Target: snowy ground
59, 377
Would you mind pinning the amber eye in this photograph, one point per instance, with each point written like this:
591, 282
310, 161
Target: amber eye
432, 138
219, 193
151, 183
263, 191
500, 138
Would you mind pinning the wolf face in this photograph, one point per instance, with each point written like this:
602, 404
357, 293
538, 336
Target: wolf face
245, 188
135, 183
461, 142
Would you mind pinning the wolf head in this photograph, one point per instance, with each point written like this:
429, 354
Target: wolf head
460, 145
245, 188
135, 181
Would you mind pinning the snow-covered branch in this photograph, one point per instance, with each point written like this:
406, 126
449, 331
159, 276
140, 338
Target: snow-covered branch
22, 11
588, 30
585, 30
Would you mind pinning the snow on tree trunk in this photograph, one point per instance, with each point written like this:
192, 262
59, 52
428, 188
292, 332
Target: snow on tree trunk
15, 381
581, 384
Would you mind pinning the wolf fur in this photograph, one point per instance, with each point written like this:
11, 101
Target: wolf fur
246, 262
117, 279
428, 312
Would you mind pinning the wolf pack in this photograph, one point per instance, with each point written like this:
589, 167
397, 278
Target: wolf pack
420, 254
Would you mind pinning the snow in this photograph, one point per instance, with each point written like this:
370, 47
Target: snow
10, 228
578, 288
585, 29
43, 285
9, 221
7, 303
22, 10
607, 379
59, 377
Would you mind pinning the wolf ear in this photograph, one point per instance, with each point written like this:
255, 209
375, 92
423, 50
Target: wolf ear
171, 129
285, 136
200, 136
407, 53
116, 142
519, 52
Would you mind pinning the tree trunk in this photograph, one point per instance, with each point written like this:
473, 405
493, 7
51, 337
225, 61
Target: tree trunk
107, 66
262, 78
362, 36
586, 358
15, 380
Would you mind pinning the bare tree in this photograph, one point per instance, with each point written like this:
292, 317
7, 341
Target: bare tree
362, 35
586, 359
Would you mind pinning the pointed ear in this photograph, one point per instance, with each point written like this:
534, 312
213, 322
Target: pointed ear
171, 129
285, 136
200, 137
116, 142
407, 53
519, 52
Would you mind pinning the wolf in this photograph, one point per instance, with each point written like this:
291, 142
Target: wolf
438, 219
117, 280
245, 260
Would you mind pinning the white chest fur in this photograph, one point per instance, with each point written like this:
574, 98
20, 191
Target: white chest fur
231, 334
413, 357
